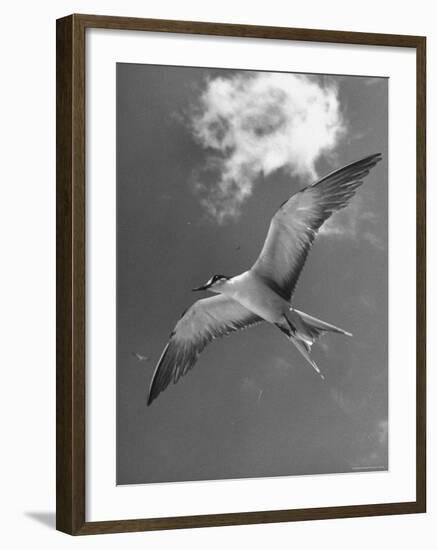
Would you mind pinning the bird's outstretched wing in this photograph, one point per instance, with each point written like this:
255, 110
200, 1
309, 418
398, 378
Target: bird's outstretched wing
295, 225
204, 321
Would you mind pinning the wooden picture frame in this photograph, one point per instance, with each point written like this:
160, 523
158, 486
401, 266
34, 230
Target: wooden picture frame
71, 303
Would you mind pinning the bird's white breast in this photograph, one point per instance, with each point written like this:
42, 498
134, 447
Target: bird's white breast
251, 292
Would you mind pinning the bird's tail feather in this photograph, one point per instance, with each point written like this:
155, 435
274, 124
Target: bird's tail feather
301, 344
305, 351
303, 330
311, 327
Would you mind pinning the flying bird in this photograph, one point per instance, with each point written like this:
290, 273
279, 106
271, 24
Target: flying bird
265, 291
139, 356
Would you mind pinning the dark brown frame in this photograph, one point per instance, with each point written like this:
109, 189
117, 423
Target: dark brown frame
70, 298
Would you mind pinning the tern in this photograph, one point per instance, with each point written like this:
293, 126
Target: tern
265, 291
139, 356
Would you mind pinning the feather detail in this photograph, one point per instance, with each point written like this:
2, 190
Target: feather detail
203, 322
295, 225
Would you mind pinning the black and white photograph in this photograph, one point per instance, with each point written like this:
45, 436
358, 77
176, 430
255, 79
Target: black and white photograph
218, 294
265, 193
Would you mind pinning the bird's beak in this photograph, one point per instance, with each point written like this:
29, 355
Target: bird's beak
203, 287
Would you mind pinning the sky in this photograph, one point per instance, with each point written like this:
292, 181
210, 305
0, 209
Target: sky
204, 159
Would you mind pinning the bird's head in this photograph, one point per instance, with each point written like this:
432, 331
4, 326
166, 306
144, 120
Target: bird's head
215, 284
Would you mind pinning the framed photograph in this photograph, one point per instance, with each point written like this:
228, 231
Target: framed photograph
280, 174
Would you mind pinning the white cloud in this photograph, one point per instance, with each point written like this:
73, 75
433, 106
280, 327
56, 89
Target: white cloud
375, 453
355, 222
256, 123
372, 443
281, 366
382, 431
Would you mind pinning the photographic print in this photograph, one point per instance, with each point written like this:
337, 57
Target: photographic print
266, 193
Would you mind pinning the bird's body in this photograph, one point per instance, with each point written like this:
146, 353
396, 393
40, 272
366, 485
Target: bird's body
264, 292
249, 290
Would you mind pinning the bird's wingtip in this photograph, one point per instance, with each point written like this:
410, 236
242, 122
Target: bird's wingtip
151, 396
375, 158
